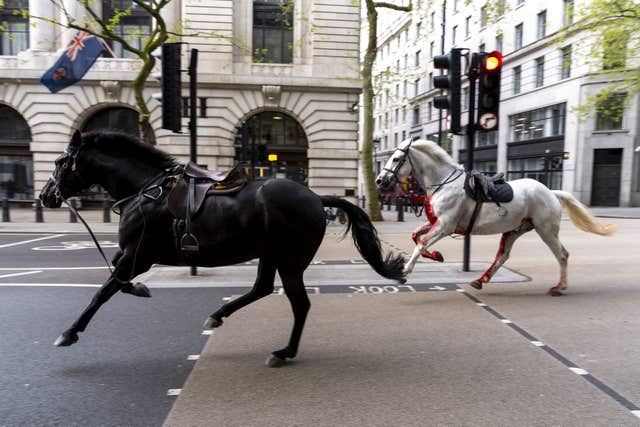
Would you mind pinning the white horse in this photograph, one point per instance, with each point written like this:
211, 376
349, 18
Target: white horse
449, 209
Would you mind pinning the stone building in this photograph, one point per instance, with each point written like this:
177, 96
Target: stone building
540, 134
290, 68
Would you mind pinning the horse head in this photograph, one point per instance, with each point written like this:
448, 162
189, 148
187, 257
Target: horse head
398, 166
65, 181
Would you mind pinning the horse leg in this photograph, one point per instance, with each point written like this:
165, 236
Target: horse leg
136, 289
293, 284
415, 235
262, 287
435, 233
549, 236
111, 286
504, 250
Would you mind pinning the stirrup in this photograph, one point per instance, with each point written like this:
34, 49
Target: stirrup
189, 243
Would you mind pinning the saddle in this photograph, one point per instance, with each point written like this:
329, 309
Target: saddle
482, 188
188, 194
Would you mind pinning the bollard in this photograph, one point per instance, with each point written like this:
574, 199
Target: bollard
72, 215
389, 203
400, 205
37, 206
106, 210
382, 204
5, 211
405, 204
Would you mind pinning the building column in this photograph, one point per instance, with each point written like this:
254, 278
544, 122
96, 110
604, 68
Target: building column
171, 14
80, 15
42, 34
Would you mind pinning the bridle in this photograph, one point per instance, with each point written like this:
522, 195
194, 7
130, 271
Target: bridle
70, 162
406, 157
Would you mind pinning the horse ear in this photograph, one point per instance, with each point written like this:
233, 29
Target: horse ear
76, 140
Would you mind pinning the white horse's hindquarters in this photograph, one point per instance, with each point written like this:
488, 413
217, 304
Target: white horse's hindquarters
531, 199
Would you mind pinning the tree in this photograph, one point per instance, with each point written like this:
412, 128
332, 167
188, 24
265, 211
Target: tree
105, 28
604, 31
371, 52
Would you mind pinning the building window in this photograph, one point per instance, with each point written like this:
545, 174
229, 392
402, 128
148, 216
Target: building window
418, 30
454, 33
134, 28
547, 170
467, 27
517, 79
430, 83
487, 139
482, 47
418, 58
487, 167
565, 57
499, 43
395, 139
404, 135
432, 47
406, 61
455, 5
484, 16
542, 24
397, 116
273, 31
406, 36
615, 49
14, 28
16, 162
517, 44
417, 87
416, 116
405, 88
610, 111
433, 21
539, 123
568, 12
397, 90
540, 71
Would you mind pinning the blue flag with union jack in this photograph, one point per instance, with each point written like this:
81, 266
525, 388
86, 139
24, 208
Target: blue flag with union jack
74, 63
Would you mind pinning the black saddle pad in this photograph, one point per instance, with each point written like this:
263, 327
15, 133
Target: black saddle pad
497, 189
500, 192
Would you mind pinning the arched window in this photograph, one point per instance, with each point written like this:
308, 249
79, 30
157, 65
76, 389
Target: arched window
16, 162
118, 119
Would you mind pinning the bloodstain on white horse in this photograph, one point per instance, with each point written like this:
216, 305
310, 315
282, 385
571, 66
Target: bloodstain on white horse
450, 209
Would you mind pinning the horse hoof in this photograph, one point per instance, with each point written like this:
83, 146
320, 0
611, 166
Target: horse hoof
275, 362
437, 256
555, 293
66, 339
212, 323
476, 284
137, 289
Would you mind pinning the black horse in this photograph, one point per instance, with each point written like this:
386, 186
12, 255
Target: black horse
278, 221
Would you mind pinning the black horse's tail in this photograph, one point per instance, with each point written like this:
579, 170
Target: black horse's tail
366, 239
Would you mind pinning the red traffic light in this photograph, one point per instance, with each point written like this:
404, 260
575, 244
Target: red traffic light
492, 62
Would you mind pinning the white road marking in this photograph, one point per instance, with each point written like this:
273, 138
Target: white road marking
49, 285
174, 391
226, 298
23, 273
538, 343
8, 245
636, 413
193, 357
579, 371
51, 268
481, 304
506, 321
207, 332
460, 290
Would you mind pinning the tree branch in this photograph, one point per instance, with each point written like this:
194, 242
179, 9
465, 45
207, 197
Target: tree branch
386, 5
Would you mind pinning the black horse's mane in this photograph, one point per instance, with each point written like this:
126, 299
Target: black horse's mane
128, 146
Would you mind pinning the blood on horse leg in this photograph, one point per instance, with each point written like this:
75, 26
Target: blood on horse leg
415, 235
490, 271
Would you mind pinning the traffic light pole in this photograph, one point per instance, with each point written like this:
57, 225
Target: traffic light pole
193, 116
472, 75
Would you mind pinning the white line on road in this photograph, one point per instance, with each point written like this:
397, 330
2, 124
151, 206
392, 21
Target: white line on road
538, 343
20, 274
51, 268
506, 321
174, 391
32, 240
48, 285
193, 357
578, 371
207, 332
636, 413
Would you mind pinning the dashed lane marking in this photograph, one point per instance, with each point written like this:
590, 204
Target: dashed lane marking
193, 357
8, 245
604, 388
49, 285
207, 332
174, 391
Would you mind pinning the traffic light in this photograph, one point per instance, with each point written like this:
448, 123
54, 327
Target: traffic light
489, 91
451, 83
171, 84
242, 142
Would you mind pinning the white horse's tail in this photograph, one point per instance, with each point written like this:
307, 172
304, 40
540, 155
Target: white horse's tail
581, 217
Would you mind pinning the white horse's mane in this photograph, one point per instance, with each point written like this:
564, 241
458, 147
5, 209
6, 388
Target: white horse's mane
433, 150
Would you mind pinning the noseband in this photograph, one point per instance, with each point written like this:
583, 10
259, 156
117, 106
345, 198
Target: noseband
70, 162
404, 158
